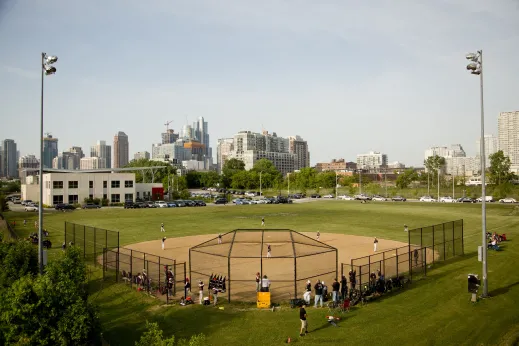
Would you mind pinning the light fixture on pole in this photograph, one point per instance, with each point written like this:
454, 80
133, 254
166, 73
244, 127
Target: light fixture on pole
46, 70
475, 67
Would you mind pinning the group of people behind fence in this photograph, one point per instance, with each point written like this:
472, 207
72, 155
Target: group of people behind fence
339, 290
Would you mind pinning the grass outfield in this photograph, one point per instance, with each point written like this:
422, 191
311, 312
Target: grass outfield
435, 310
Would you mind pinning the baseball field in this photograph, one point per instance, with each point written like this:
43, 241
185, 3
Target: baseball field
435, 310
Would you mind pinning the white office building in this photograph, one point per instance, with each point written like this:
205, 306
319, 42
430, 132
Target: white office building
92, 163
508, 134
224, 149
141, 155
491, 147
462, 166
371, 160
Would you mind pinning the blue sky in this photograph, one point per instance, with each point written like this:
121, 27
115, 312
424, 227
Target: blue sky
348, 76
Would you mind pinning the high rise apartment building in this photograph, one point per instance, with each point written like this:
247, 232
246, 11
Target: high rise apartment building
508, 134
200, 132
141, 155
299, 147
456, 150
491, 147
9, 163
121, 150
224, 149
169, 136
27, 165
93, 163
372, 160
250, 147
102, 151
50, 150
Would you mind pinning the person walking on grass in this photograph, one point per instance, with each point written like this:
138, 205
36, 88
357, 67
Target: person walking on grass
162, 227
24, 222
163, 242
262, 222
318, 235
406, 229
304, 322
375, 243
219, 238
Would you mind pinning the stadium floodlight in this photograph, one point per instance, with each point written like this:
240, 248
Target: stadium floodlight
476, 68
46, 70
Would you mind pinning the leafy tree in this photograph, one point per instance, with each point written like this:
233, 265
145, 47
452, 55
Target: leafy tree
326, 179
52, 309
3, 203
405, 179
209, 179
17, 260
240, 180
229, 169
153, 336
499, 171
306, 178
433, 164
193, 179
11, 186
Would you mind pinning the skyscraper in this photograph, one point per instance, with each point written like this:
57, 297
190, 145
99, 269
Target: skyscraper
508, 134
491, 147
121, 150
169, 136
102, 151
27, 162
50, 150
10, 165
224, 149
200, 132
299, 147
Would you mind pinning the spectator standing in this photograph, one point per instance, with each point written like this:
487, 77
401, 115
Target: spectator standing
162, 227
304, 322
269, 254
187, 287
263, 222
63, 246
353, 278
308, 292
201, 291
415, 254
258, 278
318, 235
335, 291
318, 293
219, 238
375, 243
406, 229
325, 292
215, 296
265, 284
344, 287
163, 242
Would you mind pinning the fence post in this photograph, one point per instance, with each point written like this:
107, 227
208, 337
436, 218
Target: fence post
421, 237
433, 229
453, 239
84, 241
397, 263
74, 235
104, 262
444, 241
131, 268
383, 269
160, 282
425, 263
175, 273
145, 266
462, 240
360, 279
95, 248
65, 232
117, 267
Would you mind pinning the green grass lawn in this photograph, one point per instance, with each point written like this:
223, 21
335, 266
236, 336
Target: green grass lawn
435, 310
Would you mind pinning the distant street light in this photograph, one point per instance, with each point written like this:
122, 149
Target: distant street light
336, 183
46, 70
476, 68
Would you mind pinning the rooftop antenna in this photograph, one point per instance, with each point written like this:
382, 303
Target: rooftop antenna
167, 125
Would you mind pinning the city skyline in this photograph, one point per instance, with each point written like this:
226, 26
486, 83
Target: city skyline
365, 73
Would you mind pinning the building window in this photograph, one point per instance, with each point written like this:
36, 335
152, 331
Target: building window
138, 194
128, 183
105, 196
105, 184
73, 199
57, 185
90, 184
128, 197
73, 184
116, 198
57, 199
116, 184
91, 197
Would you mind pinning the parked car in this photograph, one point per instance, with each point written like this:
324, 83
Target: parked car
315, 195
220, 201
25, 202
346, 198
91, 206
328, 196
398, 199
150, 205
447, 199
362, 197
189, 203
31, 208
161, 204
427, 199
379, 198
507, 200
487, 199
142, 205
130, 205
64, 206
200, 203
180, 203
171, 204
466, 200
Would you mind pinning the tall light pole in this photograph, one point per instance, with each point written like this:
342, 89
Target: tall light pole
360, 181
46, 70
261, 194
476, 68
438, 174
428, 185
336, 183
288, 177
385, 178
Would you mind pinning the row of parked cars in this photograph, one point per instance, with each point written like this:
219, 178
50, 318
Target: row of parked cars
164, 204
449, 199
362, 197
266, 200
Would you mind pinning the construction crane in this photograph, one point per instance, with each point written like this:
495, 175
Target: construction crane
167, 125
